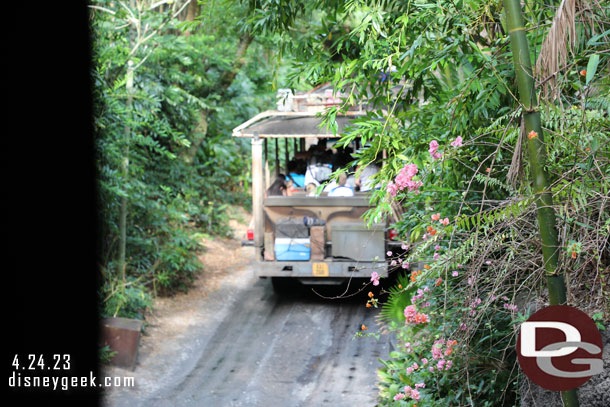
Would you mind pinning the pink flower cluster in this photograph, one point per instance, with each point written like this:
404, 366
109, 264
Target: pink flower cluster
457, 142
410, 392
439, 355
510, 307
437, 216
404, 179
419, 295
394, 262
410, 312
375, 278
442, 364
414, 317
433, 150
473, 305
437, 349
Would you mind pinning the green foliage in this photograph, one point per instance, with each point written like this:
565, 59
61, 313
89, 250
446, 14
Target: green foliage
164, 144
599, 321
438, 71
429, 71
129, 301
399, 299
482, 360
106, 354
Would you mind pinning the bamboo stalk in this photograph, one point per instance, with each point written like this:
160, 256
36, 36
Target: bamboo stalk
537, 159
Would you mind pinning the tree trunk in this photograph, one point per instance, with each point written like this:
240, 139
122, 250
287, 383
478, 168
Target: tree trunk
225, 81
125, 171
202, 131
125, 164
537, 160
240, 57
191, 14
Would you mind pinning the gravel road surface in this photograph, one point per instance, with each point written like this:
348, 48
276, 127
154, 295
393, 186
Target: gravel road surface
247, 346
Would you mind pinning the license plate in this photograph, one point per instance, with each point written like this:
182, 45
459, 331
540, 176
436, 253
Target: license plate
320, 269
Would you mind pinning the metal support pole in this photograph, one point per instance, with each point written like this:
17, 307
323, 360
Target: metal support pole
286, 154
266, 169
257, 195
277, 158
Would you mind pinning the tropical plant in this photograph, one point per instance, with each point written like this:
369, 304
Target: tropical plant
171, 81
439, 81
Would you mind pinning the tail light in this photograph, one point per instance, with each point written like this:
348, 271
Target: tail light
250, 234
392, 234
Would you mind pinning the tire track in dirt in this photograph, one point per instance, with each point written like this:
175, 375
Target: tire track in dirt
239, 344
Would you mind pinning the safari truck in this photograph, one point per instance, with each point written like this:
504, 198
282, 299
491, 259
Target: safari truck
316, 239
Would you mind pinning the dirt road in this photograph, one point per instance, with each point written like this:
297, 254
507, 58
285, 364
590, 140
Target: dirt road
243, 345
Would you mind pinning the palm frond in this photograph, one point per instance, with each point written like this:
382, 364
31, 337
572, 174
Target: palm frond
399, 298
555, 47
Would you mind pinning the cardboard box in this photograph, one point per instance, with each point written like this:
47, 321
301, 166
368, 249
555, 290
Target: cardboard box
318, 242
269, 240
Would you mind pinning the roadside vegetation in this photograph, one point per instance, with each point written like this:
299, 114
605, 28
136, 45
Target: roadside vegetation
462, 172
171, 81
470, 184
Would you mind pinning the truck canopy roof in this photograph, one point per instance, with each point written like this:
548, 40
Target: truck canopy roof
299, 116
276, 124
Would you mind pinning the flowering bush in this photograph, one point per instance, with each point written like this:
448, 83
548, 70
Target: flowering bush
433, 362
456, 350
469, 281
404, 180
455, 185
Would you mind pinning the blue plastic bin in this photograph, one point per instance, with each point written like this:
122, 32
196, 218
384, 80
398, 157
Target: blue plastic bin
287, 249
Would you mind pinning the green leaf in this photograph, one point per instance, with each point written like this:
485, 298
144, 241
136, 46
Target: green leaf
593, 40
592, 67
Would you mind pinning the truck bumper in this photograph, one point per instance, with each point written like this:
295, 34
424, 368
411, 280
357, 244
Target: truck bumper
300, 269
